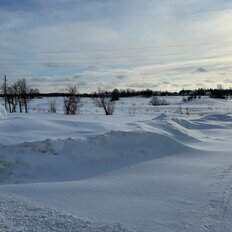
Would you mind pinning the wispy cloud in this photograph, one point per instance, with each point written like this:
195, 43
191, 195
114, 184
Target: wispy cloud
154, 44
201, 70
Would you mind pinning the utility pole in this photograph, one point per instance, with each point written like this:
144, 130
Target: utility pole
5, 93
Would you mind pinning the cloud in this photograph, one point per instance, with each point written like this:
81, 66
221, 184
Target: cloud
54, 65
116, 43
201, 70
121, 77
82, 83
76, 77
182, 86
143, 85
199, 85
14, 5
228, 80
209, 81
165, 83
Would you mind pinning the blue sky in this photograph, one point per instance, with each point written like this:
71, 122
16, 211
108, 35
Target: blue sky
158, 44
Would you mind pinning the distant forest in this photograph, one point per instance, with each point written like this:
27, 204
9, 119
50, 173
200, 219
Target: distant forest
20, 87
117, 93
18, 94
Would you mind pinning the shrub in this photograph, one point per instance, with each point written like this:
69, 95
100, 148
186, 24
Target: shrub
72, 101
103, 101
155, 101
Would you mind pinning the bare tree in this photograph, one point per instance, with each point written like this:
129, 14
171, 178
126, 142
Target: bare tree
23, 91
3, 90
10, 96
15, 96
72, 101
155, 101
102, 100
10, 99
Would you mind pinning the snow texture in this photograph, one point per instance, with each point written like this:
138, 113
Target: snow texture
3, 113
163, 169
23, 216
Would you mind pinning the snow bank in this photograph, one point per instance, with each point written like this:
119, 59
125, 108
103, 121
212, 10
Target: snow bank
71, 159
152, 174
79, 150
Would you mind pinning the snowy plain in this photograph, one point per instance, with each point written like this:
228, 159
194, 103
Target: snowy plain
146, 168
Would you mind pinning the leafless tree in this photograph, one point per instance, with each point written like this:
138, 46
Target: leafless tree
23, 91
101, 100
72, 101
10, 96
155, 101
3, 90
15, 96
10, 99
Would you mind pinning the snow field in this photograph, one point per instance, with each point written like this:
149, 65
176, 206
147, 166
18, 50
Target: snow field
23, 216
159, 169
3, 113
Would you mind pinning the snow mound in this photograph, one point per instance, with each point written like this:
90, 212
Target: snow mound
3, 113
21, 215
218, 117
136, 144
173, 130
161, 117
196, 124
71, 159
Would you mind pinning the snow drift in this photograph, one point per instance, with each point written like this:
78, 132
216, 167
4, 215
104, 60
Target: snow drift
163, 171
72, 159
92, 151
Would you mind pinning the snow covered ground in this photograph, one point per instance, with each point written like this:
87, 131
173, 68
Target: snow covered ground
146, 168
20, 215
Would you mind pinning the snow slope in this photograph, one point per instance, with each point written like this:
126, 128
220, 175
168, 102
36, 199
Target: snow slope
159, 171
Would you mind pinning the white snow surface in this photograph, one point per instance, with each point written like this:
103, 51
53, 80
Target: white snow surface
145, 168
3, 113
20, 215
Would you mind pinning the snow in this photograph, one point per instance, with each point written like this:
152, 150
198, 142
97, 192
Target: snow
20, 215
156, 169
3, 113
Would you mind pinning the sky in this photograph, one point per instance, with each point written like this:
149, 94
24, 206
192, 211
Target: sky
156, 44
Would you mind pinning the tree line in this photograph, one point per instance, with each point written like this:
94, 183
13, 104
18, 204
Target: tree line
18, 94
20, 87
